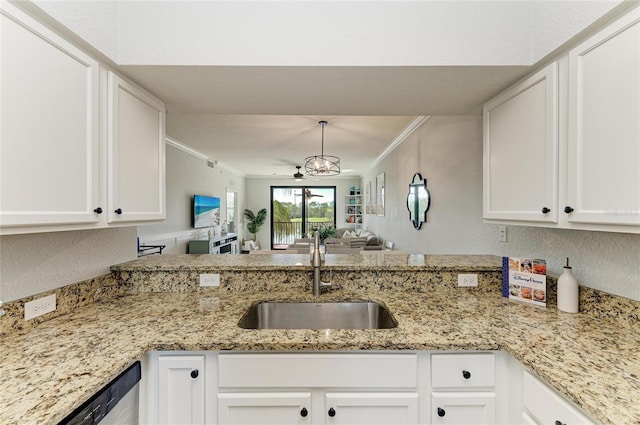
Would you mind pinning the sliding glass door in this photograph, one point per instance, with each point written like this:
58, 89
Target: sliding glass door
298, 210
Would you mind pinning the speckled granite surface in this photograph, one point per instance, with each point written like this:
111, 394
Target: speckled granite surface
47, 371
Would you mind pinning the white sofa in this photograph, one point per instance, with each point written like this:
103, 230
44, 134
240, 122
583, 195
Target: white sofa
355, 238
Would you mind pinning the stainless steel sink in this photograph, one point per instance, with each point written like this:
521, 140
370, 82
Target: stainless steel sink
326, 315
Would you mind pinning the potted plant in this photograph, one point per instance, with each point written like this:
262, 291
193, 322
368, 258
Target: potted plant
255, 221
324, 232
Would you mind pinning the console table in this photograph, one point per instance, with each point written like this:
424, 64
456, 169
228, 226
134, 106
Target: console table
225, 244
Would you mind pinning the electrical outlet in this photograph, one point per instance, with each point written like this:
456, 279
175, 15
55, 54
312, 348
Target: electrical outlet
39, 307
470, 279
502, 233
209, 279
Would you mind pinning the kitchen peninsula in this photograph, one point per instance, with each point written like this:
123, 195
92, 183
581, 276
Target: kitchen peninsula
591, 357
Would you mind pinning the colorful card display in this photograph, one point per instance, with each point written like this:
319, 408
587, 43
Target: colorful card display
525, 279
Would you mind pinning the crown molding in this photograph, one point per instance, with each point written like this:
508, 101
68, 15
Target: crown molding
408, 130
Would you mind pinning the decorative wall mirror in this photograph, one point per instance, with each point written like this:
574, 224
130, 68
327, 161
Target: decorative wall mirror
418, 200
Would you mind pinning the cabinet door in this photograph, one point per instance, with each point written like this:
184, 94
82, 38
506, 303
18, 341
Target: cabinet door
49, 130
181, 389
604, 126
547, 406
264, 408
463, 408
521, 151
136, 151
371, 408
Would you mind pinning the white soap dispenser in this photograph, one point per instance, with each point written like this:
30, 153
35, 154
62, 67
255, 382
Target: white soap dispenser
567, 291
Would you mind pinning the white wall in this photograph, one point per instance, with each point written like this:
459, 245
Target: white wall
259, 196
447, 151
188, 175
39, 262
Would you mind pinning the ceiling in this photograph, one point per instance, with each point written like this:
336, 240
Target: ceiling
248, 93
264, 121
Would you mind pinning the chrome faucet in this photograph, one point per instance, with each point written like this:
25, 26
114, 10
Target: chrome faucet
316, 261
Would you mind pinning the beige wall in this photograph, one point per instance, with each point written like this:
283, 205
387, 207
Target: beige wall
447, 151
188, 175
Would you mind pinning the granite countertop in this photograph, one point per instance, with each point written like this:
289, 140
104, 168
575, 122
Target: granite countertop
48, 371
370, 261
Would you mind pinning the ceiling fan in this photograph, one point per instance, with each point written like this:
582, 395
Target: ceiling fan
298, 176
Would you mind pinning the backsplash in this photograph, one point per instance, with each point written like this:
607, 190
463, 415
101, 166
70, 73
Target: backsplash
68, 298
599, 304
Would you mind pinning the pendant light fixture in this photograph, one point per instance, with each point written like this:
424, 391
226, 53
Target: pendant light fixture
298, 175
322, 165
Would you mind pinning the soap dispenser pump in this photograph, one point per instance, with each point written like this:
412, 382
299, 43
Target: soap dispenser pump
568, 291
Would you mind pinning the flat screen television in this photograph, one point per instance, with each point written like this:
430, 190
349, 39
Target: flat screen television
206, 211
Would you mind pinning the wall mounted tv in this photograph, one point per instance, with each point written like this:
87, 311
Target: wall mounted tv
206, 211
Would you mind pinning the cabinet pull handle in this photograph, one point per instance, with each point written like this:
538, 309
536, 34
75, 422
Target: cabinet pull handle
466, 374
118, 211
98, 210
304, 412
441, 412
332, 412
194, 373
559, 423
568, 210
545, 210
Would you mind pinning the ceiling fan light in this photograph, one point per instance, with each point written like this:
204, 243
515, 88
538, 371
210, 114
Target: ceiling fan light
322, 165
298, 175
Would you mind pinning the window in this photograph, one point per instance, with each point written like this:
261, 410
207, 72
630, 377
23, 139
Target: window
297, 210
232, 208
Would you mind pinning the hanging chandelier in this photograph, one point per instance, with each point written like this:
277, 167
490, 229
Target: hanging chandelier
322, 165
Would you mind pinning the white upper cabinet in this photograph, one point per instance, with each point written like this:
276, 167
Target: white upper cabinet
562, 148
136, 150
49, 142
604, 126
60, 167
521, 151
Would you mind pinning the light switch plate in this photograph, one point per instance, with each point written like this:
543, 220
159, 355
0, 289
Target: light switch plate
468, 279
209, 279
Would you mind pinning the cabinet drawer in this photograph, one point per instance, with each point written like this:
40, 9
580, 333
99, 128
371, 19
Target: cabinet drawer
547, 406
318, 370
460, 371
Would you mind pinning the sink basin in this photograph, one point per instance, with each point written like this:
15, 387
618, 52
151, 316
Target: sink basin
327, 315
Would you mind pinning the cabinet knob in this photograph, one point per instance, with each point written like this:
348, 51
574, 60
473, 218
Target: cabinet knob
568, 210
118, 211
545, 210
466, 374
98, 210
332, 412
194, 373
441, 412
304, 412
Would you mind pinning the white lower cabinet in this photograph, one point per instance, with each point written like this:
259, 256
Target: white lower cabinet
177, 387
269, 408
544, 405
181, 389
372, 408
463, 408
347, 388
318, 389
463, 388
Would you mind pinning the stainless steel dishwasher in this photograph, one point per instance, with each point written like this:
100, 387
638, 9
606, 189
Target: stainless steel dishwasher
115, 404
